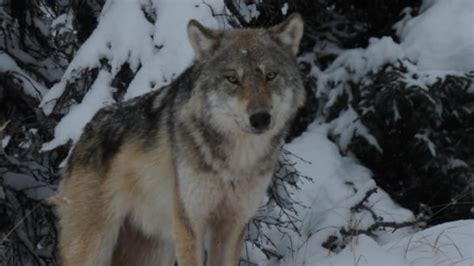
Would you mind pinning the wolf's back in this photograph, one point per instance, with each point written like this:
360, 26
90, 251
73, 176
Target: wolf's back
139, 120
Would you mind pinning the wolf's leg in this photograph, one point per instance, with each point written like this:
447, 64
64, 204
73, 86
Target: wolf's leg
135, 248
226, 243
188, 242
163, 255
234, 251
167, 255
152, 252
89, 224
87, 242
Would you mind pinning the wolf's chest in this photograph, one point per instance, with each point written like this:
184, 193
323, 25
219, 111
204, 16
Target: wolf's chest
204, 194
250, 157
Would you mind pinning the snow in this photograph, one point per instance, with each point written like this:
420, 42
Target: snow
354, 64
32, 88
471, 88
249, 11
457, 163
442, 37
338, 183
439, 41
431, 146
358, 62
284, 8
430, 49
363, 250
5, 140
348, 125
130, 43
100, 94
62, 23
446, 244
170, 34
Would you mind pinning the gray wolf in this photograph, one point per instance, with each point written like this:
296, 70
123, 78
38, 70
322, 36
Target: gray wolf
153, 179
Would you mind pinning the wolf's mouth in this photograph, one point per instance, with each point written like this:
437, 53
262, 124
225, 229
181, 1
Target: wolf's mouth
244, 127
251, 130
258, 131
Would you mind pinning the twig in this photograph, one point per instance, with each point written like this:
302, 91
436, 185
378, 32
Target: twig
4, 126
378, 225
20, 222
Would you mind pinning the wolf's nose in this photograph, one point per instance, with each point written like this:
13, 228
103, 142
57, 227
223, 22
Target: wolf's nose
260, 121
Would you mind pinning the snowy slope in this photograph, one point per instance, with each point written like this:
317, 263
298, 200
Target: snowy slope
442, 37
338, 184
446, 244
438, 42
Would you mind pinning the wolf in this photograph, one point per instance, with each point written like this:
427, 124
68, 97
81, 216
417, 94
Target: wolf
177, 173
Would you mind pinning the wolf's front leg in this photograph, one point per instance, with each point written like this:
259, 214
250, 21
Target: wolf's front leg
226, 243
87, 241
188, 242
233, 257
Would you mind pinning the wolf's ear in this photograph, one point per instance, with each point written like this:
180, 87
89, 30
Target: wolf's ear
289, 32
203, 40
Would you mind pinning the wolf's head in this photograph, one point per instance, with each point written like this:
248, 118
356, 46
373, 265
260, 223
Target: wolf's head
249, 78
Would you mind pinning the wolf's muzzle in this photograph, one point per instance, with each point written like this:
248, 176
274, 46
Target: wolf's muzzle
260, 121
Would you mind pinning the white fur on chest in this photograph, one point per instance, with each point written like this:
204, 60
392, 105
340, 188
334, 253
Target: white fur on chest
198, 192
246, 155
203, 193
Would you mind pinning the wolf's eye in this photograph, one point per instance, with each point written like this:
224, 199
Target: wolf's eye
232, 79
271, 76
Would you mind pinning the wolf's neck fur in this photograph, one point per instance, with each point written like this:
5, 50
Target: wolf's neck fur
256, 153
231, 154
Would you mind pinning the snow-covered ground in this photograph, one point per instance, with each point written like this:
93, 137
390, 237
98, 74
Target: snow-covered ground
445, 244
338, 184
437, 42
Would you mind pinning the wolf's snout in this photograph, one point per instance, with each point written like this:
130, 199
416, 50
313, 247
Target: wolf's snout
260, 121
